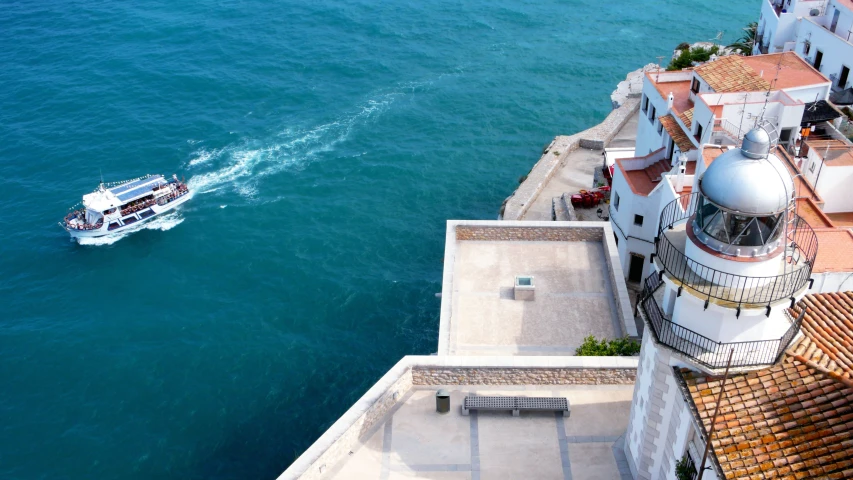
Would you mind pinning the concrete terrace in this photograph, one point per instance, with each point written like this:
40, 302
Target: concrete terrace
393, 431
415, 442
572, 265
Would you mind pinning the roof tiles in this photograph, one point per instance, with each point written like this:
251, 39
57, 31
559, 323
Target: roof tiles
676, 133
732, 74
795, 419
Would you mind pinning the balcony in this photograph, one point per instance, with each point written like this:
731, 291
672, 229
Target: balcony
728, 289
702, 350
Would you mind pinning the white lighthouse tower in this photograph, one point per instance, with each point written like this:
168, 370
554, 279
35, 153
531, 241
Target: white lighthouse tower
729, 259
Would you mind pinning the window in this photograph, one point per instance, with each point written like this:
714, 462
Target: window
738, 230
638, 220
616, 237
652, 114
645, 103
811, 167
695, 86
616, 201
699, 132
660, 127
807, 46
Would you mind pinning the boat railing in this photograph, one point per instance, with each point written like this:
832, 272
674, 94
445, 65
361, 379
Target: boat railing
81, 224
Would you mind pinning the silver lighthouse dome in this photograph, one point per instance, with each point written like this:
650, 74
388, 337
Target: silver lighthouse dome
743, 199
749, 180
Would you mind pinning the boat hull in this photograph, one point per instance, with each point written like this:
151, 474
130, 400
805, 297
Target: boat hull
126, 222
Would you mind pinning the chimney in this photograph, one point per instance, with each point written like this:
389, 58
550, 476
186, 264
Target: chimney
682, 167
669, 101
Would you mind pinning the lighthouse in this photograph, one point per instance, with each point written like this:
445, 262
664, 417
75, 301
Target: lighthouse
729, 259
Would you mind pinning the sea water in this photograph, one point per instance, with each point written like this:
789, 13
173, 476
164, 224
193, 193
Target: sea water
327, 143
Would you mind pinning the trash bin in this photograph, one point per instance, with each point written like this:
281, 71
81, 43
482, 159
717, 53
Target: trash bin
442, 401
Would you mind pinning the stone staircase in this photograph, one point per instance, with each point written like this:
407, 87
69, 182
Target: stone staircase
656, 170
562, 209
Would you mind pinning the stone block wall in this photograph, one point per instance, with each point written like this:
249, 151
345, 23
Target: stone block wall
553, 234
422, 375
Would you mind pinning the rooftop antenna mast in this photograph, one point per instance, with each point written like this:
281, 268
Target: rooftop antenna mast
714, 418
660, 60
770, 88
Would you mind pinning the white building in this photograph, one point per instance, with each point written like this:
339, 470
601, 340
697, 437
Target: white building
689, 117
729, 260
820, 31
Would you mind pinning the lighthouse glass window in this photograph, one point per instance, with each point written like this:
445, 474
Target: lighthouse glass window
739, 230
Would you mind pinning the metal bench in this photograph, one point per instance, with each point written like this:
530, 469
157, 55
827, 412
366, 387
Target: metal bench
516, 404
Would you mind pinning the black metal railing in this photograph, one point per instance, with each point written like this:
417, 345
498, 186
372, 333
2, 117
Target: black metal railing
739, 290
702, 349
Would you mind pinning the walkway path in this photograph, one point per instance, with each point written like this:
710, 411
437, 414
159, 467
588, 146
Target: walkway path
576, 172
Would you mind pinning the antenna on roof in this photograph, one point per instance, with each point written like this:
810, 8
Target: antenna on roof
770, 88
660, 60
714, 417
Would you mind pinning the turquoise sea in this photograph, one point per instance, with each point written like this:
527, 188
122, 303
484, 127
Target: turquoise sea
327, 141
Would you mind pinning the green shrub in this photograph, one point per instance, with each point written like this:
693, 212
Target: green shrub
688, 56
684, 469
591, 347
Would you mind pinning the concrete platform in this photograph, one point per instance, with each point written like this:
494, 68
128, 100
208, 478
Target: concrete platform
416, 442
574, 298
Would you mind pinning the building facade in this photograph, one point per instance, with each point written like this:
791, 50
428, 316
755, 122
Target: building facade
820, 31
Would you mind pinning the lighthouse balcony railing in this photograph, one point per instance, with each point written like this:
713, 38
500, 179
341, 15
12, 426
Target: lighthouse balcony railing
729, 289
706, 351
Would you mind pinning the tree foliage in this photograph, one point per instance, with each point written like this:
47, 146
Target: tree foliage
591, 347
744, 44
689, 55
684, 469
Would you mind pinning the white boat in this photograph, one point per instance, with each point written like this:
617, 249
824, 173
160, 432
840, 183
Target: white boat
117, 207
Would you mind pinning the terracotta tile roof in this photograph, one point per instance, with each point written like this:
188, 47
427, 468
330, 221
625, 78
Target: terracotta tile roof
732, 74
828, 330
676, 133
687, 118
643, 181
812, 214
794, 72
680, 92
711, 152
795, 419
834, 247
841, 219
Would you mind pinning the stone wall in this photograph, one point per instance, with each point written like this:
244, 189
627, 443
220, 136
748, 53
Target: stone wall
523, 376
343, 436
556, 153
553, 234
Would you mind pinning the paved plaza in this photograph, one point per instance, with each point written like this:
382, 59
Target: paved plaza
416, 442
574, 298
